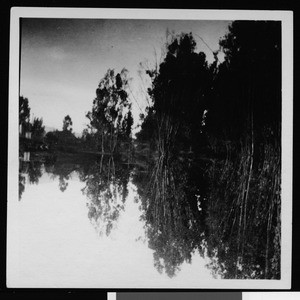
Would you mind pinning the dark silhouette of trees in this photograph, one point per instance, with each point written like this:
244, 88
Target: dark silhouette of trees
63, 140
38, 130
88, 139
243, 126
246, 92
24, 110
178, 92
51, 137
224, 122
67, 123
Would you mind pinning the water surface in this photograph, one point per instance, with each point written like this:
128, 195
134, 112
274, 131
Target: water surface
84, 225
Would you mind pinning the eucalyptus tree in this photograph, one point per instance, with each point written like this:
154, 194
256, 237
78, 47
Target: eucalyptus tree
110, 116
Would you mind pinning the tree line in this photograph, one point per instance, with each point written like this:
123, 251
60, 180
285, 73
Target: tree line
216, 133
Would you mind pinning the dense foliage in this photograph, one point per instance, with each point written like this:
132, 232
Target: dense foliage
226, 117
24, 110
38, 129
110, 118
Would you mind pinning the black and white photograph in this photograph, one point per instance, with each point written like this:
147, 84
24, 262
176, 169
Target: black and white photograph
150, 149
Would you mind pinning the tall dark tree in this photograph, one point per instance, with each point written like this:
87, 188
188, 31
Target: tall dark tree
177, 92
246, 94
24, 111
244, 122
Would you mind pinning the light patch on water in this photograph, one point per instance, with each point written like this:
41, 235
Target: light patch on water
57, 245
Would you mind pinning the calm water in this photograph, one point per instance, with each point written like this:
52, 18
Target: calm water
88, 225
165, 222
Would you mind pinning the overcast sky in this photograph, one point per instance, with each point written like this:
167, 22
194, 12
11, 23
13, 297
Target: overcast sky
63, 60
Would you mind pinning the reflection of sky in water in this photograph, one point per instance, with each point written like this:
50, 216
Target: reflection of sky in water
59, 247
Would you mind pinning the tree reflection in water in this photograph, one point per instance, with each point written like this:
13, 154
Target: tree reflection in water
191, 205
106, 189
33, 170
63, 182
22, 182
188, 207
106, 179
171, 192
